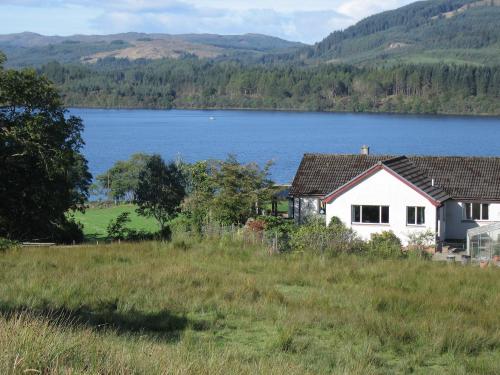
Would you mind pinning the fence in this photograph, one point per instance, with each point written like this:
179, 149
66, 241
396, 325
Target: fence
248, 237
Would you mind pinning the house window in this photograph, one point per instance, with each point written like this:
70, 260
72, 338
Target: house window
476, 211
415, 215
370, 214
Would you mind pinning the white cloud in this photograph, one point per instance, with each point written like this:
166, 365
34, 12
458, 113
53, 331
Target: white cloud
307, 21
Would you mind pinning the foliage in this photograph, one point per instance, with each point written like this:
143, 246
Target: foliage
385, 245
419, 242
226, 191
281, 229
6, 244
201, 308
160, 191
332, 239
404, 87
117, 228
68, 231
201, 188
42, 171
122, 179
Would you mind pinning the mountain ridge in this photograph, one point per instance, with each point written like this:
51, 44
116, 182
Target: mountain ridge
32, 49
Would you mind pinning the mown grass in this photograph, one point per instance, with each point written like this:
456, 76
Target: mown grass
219, 307
95, 220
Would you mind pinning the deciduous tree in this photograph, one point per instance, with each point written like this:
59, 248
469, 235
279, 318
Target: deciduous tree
42, 171
160, 191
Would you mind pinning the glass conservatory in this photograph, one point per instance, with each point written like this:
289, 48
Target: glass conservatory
484, 242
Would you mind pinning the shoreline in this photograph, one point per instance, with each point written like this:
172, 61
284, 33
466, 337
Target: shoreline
283, 110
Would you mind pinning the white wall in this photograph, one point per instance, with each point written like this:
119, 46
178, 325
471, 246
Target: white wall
304, 207
385, 190
456, 227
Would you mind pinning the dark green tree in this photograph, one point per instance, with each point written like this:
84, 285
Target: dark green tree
160, 191
42, 172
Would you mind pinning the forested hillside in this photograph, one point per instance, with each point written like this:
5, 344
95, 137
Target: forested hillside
453, 31
191, 83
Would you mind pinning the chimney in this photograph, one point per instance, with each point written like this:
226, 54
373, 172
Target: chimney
365, 150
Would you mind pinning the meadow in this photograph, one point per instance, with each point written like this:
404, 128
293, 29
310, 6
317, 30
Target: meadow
95, 220
223, 307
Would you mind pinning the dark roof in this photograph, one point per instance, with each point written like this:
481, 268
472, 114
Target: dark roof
416, 176
457, 177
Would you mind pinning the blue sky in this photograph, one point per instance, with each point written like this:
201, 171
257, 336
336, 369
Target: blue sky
302, 20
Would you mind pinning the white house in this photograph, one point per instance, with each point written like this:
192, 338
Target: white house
372, 193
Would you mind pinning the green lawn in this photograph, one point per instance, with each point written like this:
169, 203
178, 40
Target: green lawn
95, 220
190, 307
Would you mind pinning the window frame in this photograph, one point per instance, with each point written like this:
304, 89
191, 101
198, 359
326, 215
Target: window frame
380, 215
469, 208
416, 210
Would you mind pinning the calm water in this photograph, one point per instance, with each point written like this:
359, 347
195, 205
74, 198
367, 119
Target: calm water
112, 135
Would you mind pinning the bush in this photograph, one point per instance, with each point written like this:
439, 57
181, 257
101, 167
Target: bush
255, 225
117, 229
68, 231
182, 224
419, 243
333, 239
281, 229
6, 244
385, 245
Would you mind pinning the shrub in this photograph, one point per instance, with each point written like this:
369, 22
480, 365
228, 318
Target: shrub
385, 245
255, 225
182, 223
68, 231
419, 242
117, 229
333, 239
6, 244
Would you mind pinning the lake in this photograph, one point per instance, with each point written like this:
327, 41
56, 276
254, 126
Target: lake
283, 137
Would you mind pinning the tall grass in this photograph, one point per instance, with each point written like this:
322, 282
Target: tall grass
218, 307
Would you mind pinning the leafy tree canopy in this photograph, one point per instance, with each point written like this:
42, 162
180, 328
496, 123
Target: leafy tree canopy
42, 172
160, 190
226, 191
121, 180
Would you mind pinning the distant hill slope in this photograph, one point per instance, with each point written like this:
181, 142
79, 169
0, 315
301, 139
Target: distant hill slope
30, 49
462, 31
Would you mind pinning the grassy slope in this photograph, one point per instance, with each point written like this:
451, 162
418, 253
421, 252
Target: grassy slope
209, 308
95, 220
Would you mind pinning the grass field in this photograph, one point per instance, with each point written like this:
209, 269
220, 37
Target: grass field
95, 220
216, 307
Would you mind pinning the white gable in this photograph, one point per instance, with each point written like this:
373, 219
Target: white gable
382, 189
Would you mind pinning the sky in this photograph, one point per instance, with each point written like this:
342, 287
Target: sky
307, 21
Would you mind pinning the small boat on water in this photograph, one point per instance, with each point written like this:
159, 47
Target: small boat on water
211, 118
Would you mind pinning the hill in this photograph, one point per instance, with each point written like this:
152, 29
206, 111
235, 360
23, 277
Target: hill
443, 31
30, 49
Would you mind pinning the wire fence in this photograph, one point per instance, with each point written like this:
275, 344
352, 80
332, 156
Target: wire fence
274, 242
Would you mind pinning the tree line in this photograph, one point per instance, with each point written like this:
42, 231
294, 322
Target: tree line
193, 83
